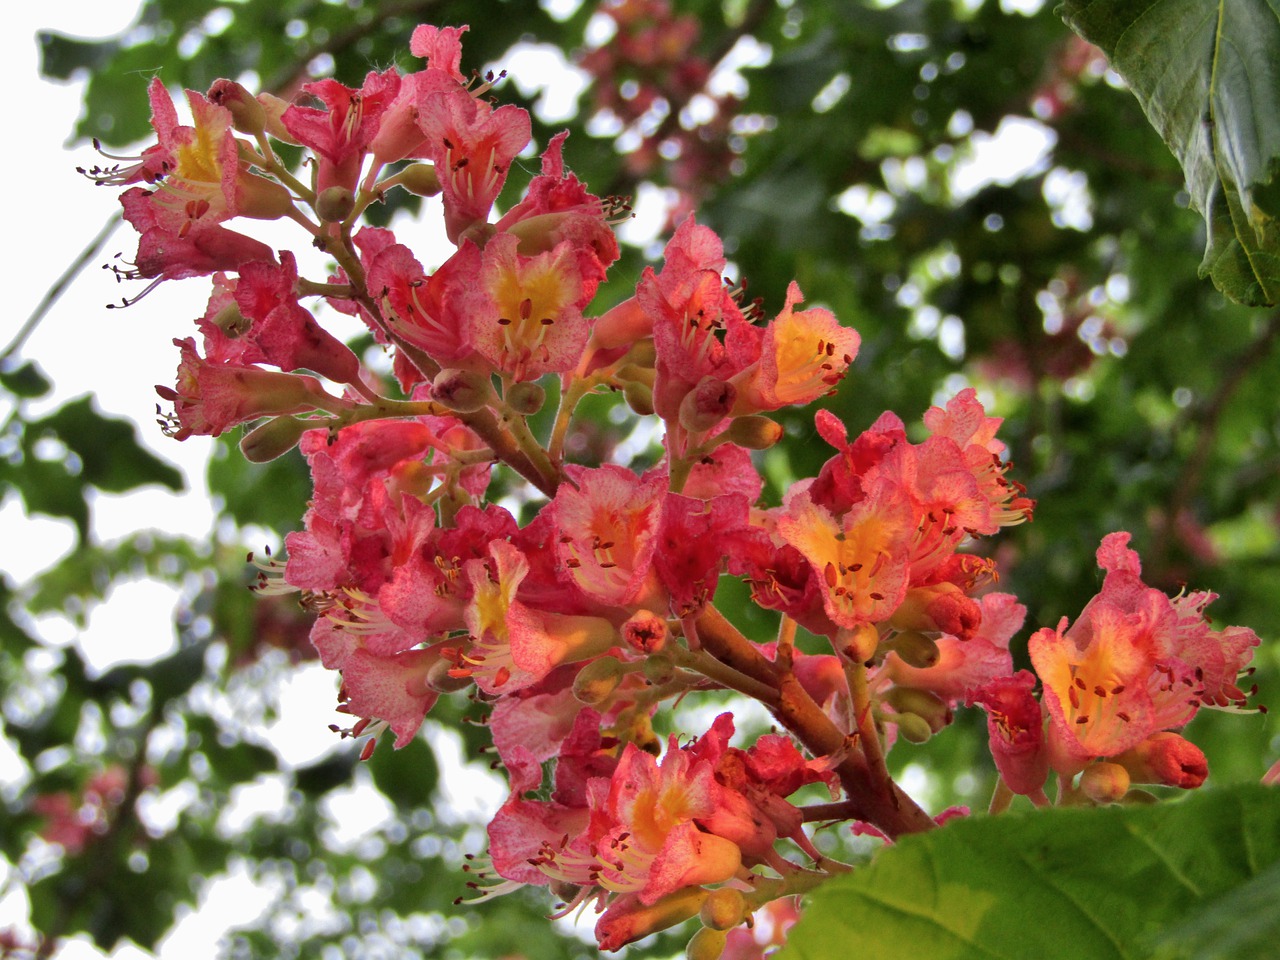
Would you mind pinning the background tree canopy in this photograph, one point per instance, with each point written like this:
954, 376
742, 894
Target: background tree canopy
968, 184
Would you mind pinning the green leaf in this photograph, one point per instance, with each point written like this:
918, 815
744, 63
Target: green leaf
26, 381
1242, 924
1208, 77
111, 457
1072, 884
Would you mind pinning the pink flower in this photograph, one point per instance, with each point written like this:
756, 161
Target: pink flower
1135, 662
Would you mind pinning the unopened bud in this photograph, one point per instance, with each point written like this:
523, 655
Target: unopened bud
858, 643
639, 397
247, 114
273, 439
627, 919
274, 107
596, 682
419, 178
915, 648
635, 371
1166, 758
526, 398
1105, 782
261, 199
754, 432
913, 727
462, 391
724, 909
645, 632
706, 944
707, 404
334, 204
927, 705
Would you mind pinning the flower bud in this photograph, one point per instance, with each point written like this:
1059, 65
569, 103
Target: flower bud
923, 703
526, 398
706, 944
334, 204
627, 919
261, 199
274, 108
707, 404
1168, 759
596, 682
419, 178
754, 432
645, 632
247, 114
915, 649
858, 643
913, 727
1104, 782
639, 397
724, 909
462, 391
635, 371
273, 439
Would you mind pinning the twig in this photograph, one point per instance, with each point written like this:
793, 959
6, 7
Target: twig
61, 285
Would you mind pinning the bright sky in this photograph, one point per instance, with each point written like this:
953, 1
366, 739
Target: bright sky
117, 355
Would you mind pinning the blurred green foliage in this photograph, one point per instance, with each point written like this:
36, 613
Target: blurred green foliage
966, 184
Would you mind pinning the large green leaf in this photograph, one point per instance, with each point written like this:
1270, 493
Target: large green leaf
1072, 884
1207, 73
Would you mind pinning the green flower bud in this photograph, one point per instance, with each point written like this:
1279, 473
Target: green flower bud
596, 682
1104, 782
462, 391
913, 727
526, 398
754, 432
707, 944
419, 178
639, 397
915, 648
928, 706
334, 204
724, 909
273, 438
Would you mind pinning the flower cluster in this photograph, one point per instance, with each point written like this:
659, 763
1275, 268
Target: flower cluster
580, 622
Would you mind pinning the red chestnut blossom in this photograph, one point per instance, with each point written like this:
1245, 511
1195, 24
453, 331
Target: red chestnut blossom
608, 529
211, 398
472, 145
341, 132
1134, 663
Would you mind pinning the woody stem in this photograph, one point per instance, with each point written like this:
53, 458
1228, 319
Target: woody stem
889, 809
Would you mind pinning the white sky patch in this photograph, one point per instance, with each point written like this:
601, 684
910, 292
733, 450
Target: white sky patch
1019, 148
649, 209
727, 77
135, 625
228, 901
466, 787
1067, 194
542, 68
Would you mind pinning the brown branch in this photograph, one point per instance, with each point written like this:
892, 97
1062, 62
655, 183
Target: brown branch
879, 803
